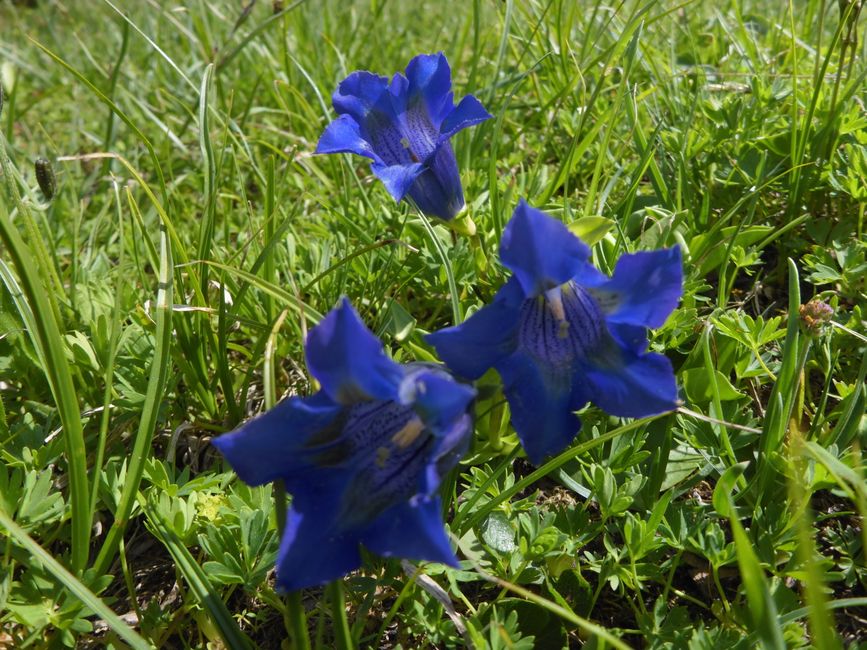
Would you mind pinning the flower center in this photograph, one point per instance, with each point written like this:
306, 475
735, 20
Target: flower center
391, 448
563, 324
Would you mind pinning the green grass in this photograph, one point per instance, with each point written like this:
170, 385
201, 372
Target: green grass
162, 296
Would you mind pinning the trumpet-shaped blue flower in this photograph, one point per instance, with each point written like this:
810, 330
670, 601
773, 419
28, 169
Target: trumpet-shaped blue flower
404, 127
562, 334
362, 458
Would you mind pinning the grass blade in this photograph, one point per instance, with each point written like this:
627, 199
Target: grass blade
150, 411
763, 611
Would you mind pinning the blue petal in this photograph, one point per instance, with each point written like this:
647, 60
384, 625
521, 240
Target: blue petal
343, 136
418, 131
452, 445
468, 112
485, 338
436, 397
359, 93
398, 90
644, 289
437, 191
313, 553
633, 385
348, 359
589, 276
430, 83
368, 100
268, 447
540, 250
423, 98
412, 530
398, 179
631, 337
543, 402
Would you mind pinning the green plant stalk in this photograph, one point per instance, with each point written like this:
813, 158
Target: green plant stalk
795, 150
268, 269
294, 606
447, 267
717, 403
124, 118
297, 621
337, 599
112, 87
209, 176
156, 384
726, 283
129, 581
818, 419
861, 208
820, 30
114, 336
195, 334
76, 588
861, 502
493, 174
48, 338
8, 99
719, 588
501, 51
848, 27
821, 626
846, 426
763, 610
781, 400
477, 251
4, 426
852, 35
795, 410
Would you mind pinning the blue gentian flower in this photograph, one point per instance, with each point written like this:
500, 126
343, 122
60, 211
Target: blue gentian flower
362, 458
561, 333
404, 127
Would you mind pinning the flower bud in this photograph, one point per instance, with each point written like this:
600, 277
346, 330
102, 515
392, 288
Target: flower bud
45, 177
814, 316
